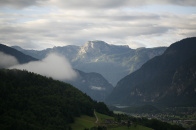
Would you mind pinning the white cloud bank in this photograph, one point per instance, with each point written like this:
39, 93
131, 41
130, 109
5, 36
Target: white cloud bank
53, 65
7, 60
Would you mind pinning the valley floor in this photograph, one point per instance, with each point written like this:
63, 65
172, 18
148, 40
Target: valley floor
184, 116
103, 121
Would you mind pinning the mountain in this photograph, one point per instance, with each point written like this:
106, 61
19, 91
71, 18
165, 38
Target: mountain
69, 51
112, 61
31, 101
98, 48
93, 84
166, 80
21, 57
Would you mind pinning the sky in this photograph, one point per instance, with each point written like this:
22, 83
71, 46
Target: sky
41, 24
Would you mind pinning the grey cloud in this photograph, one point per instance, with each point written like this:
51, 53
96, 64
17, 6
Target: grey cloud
62, 29
180, 2
119, 15
89, 3
92, 4
134, 17
53, 65
19, 3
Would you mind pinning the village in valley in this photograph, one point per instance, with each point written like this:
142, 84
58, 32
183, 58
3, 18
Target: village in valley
185, 117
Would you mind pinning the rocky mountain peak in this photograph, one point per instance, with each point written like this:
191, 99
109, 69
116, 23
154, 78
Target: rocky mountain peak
94, 46
98, 47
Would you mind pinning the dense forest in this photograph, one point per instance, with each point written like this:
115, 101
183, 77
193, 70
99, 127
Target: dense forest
31, 101
167, 80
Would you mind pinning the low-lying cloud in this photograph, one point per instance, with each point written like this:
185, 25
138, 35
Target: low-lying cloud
7, 60
97, 88
54, 65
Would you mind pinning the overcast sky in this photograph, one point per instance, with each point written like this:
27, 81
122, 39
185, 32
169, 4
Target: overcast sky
40, 24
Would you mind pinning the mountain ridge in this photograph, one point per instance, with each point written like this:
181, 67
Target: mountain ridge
100, 47
95, 85
150, 84
112, 61
21, 57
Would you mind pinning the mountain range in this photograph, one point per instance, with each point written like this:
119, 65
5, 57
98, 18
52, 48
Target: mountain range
93, 84
165, 80
112, 61
160, 77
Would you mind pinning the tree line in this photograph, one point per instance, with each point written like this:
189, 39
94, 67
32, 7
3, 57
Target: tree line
32, 101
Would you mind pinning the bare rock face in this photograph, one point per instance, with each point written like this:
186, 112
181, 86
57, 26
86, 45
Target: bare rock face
112, 61
96, 47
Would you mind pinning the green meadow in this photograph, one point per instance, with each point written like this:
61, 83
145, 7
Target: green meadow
83, 122
87, 122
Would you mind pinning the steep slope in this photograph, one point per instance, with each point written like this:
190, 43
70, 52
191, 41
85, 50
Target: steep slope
31, 101
93, 84
112, 61
182, 90
22, 58
158, 80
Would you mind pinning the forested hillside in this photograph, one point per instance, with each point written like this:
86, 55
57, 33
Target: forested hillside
166, 80
93, 84
31, 101
21, 57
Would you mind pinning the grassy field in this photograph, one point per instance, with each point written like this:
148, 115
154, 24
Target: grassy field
83, 122
102, 117
119, 112
88, 122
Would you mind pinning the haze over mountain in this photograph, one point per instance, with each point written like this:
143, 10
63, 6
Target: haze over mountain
56, 66
10, 56
166, 80
93, 84
112, 61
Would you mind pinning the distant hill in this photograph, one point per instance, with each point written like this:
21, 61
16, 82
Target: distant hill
69, 51
166, 80
21, 57
93, 84
112, 61
31, 101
